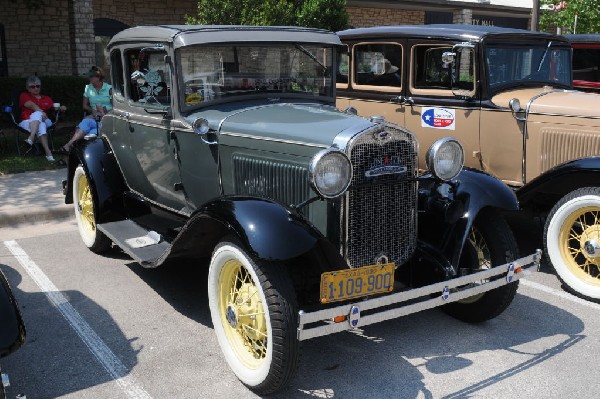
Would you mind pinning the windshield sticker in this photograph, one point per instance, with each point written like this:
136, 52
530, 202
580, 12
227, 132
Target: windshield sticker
438, 118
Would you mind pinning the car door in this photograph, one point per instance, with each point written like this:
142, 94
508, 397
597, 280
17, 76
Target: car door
432, 110
144, 118
370, 79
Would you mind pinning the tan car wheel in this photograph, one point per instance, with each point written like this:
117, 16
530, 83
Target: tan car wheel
83, 201
255, 317
572, 241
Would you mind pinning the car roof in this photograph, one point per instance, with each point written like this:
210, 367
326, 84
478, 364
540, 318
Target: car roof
441, 31
584, 38
183, 35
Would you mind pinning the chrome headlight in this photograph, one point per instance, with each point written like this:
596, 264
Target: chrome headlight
330, 173
445, 158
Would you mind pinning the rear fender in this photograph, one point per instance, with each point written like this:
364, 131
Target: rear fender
105, 178
546, 189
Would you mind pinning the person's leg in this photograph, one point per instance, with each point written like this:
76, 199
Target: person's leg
76, 136
44, 141
33, 125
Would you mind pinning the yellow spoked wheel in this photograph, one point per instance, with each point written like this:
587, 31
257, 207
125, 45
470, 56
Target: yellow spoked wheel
579, 244
572, 240
490, 243
83, 201
242, 314
255, 317
481, 255
85, 205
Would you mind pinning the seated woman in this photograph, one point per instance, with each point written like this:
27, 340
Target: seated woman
97, 100
34, 107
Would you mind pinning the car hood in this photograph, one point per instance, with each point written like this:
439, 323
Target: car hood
302, 123
548, 100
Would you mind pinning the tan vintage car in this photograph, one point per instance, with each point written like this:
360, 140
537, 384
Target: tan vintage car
507, 96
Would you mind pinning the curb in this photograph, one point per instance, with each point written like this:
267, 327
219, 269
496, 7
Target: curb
35, 215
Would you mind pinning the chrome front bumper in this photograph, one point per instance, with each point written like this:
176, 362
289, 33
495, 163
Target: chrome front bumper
420, 299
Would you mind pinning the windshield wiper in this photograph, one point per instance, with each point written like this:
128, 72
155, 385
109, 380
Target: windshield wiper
544, 56
311, 56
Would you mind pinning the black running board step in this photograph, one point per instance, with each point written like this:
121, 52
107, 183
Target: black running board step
127, 235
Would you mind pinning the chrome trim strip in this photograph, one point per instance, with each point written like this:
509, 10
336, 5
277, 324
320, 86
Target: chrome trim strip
249, 136
327, 315
525, 131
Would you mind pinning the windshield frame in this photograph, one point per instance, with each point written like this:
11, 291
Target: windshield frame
301, 47
545, 46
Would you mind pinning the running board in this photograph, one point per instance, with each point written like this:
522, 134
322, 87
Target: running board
144, 246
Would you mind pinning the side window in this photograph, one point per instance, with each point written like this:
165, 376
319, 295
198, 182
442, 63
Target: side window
378, 64
149, 82
586, 64
430, 72
116, 73
343, 69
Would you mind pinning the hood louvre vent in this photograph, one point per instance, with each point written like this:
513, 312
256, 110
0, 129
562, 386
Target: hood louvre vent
563, 145
266, 178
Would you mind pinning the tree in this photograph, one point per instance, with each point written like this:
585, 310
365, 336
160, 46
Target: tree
324, 14
576, 16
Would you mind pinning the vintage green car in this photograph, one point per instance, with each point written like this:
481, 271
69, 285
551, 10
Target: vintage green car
224, 142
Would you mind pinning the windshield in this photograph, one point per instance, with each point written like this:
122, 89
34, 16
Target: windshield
508, 65
210, 73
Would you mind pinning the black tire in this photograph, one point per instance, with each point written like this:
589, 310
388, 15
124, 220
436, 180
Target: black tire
490, 243
572, 225
263, 351
85, 213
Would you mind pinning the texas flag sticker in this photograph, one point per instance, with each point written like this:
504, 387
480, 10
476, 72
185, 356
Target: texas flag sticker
438, 118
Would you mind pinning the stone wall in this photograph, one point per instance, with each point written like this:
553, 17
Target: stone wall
140, 12
37, 41
360, 17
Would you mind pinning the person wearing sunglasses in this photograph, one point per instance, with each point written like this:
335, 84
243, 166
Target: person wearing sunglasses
34, 118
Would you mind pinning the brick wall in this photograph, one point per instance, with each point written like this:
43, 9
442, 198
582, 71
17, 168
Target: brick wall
360, 17
140, 12
37, 41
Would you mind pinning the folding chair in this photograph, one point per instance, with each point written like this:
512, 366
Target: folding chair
14, 114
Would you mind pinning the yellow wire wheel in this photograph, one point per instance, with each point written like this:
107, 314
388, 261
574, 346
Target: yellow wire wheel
572, 241
490, 243
242, 314
581, 230
83, 201
247, 299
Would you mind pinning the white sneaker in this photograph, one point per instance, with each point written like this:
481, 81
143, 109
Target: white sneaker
28, 141
50, 158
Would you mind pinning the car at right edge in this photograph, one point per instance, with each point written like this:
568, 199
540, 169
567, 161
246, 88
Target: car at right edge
507, 95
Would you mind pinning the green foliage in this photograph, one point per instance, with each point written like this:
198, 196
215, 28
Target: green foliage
325, 14
67, 90
588, 16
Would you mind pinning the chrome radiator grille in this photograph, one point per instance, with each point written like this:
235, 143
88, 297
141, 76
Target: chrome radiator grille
284, 182
381, 212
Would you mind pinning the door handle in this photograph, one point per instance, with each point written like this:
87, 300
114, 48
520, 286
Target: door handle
402, 100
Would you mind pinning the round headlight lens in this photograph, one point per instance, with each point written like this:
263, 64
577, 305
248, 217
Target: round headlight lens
445, 158
331, 173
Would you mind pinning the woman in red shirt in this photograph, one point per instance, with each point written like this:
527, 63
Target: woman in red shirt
34, 107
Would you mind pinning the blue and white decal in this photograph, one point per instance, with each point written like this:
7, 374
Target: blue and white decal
438, 118
386, 166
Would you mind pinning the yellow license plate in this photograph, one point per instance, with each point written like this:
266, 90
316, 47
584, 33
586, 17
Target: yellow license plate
354, 283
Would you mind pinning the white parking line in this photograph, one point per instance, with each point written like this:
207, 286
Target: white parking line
99, 349
561, 294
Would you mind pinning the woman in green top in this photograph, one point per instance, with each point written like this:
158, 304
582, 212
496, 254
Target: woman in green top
97, 96
97, 100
